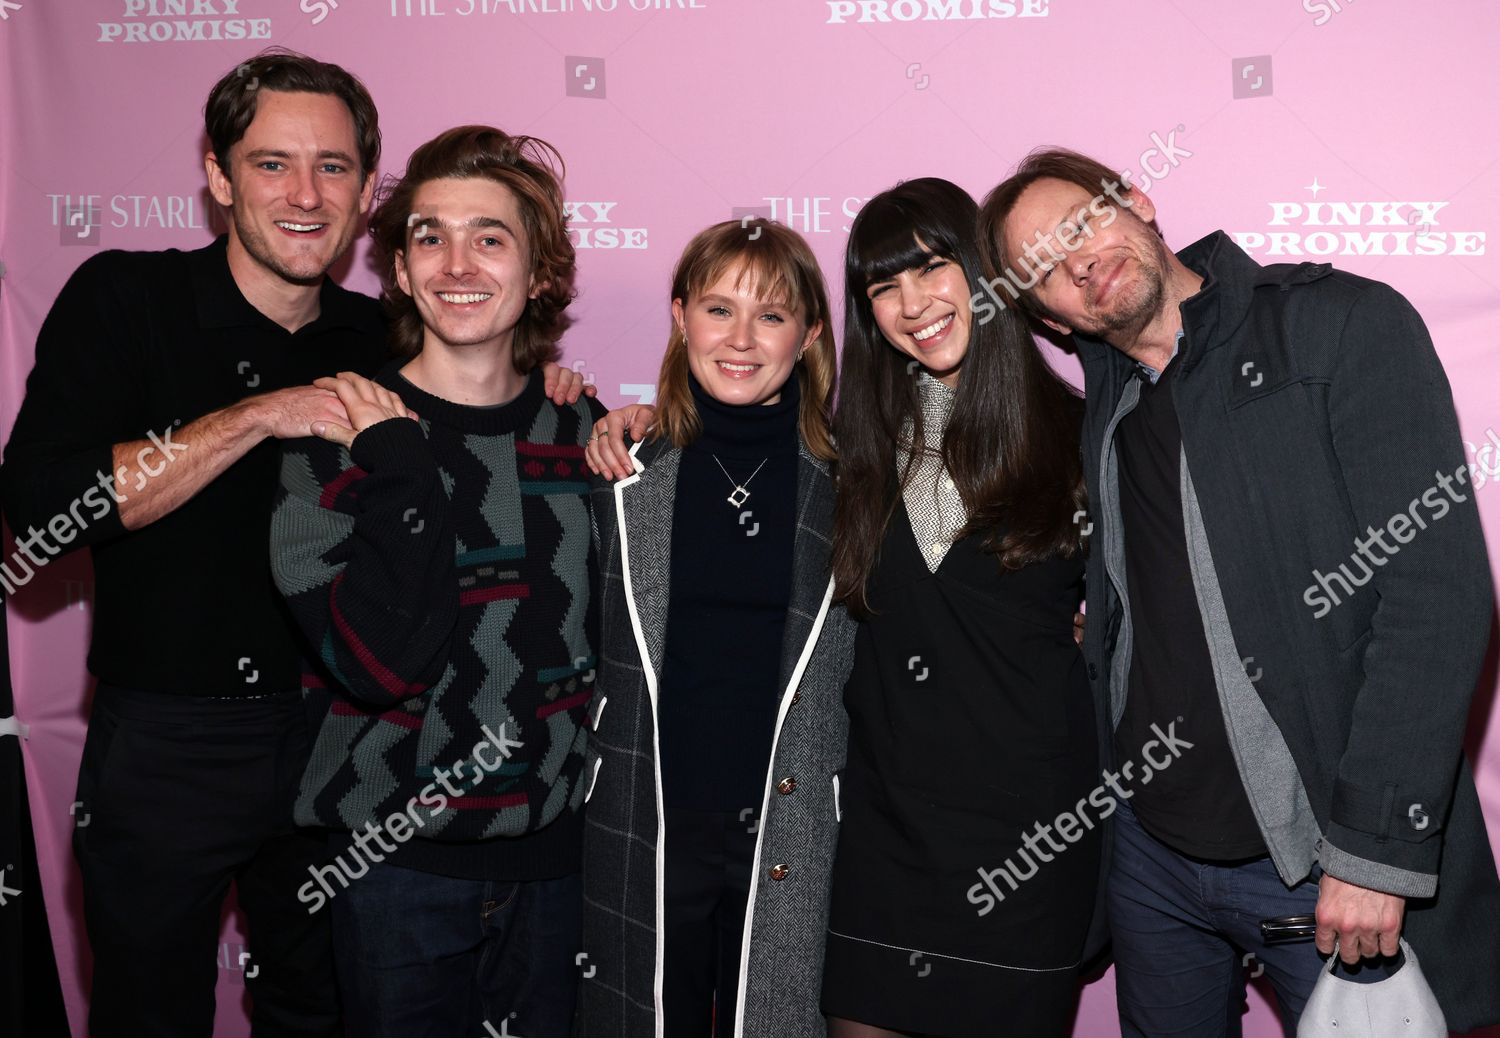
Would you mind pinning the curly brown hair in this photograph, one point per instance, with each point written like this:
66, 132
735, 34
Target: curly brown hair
532, 170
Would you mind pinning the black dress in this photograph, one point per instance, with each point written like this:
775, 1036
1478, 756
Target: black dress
971, 724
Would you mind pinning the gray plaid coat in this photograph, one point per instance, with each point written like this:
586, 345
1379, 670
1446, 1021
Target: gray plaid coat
782, 960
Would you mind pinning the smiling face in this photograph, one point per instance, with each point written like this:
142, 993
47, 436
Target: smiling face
294, 187
1112, 282
924, 313
467, 265
741, 348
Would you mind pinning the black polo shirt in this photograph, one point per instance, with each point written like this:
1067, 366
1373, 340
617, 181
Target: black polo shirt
1197, 805
139, 343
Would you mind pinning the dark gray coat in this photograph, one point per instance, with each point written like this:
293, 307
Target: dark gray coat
782, 960
1313, 408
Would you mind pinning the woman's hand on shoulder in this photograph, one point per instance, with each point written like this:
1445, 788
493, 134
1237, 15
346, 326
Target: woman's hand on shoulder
606, 452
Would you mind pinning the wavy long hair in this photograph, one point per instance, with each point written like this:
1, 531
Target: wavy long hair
533, 171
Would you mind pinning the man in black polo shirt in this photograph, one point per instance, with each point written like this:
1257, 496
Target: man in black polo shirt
162, 382
1249, 428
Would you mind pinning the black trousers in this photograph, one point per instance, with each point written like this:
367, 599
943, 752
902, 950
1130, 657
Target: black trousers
178, 796
709, 857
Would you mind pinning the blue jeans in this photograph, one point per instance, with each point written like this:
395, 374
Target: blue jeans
1184, 932
427, 956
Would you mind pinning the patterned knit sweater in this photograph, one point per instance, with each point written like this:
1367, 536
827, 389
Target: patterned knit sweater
444, 577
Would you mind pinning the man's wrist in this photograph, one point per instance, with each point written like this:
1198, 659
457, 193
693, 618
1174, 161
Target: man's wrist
247, 419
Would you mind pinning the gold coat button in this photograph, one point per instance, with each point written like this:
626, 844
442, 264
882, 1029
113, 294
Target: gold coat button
778, 872
786, 785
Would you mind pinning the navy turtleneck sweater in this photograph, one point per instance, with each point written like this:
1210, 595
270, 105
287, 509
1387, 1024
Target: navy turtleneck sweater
731, 582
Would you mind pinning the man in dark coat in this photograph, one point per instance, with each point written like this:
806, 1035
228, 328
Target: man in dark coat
1287, 565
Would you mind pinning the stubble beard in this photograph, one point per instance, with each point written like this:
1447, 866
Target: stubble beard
1138, 304
310, 273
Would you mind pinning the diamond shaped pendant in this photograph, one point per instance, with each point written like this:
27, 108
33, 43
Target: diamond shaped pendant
739, 497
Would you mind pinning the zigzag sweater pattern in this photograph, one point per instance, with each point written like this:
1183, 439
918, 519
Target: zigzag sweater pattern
443, 574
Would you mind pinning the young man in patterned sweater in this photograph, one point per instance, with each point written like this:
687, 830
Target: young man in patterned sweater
436, 553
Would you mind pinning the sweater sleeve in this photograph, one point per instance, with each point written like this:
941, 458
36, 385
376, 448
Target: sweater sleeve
82, 397
363, 549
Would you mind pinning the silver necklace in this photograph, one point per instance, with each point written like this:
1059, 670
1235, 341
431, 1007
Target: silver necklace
739, 495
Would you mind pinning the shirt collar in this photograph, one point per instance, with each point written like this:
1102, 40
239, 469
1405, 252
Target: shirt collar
221, 304
1149, 373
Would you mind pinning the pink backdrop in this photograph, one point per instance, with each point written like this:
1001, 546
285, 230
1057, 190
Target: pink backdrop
1358, 131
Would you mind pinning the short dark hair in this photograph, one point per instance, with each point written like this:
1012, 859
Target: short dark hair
532, 170
1043, 164
232, 102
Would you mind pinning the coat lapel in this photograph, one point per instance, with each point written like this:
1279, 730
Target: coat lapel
644, 503
811, 552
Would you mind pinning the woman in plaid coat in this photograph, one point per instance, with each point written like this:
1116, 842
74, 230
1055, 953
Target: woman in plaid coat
719, 730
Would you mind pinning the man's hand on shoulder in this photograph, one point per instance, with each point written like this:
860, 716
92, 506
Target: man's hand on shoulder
291, 413
564, 385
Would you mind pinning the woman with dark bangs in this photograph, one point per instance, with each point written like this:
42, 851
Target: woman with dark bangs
955, 910
959, 906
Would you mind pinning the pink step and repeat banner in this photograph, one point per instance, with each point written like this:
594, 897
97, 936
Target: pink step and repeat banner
1356, 131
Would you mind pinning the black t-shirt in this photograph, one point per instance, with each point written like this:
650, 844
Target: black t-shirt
1196, 805
136, 343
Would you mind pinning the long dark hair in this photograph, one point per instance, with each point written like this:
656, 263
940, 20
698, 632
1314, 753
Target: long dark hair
1011, 444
